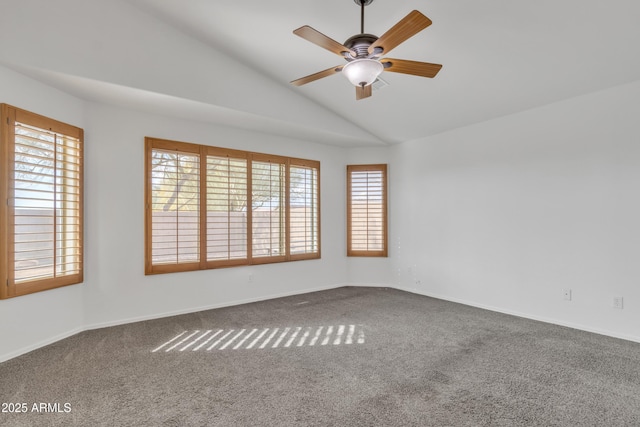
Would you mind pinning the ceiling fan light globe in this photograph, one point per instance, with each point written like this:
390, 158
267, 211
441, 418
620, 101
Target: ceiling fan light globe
362, 72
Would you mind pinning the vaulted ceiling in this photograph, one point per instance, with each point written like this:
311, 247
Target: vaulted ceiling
499, 57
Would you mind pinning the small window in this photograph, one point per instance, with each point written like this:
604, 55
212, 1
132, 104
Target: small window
210, 207
42, 220
367, 210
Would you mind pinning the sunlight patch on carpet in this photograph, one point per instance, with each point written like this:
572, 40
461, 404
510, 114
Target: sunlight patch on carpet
247, 339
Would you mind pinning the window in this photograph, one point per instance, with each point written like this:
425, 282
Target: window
210, 207
175, 206
367, 210
41, 243
304, 204
268, 208
227, 202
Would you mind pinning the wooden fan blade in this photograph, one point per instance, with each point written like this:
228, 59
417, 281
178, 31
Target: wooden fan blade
363, 92
313, 77
316, 37
408, 26
422, 69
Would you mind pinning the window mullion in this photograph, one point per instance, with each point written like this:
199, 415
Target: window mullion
55, 206
287, 213
203, 208
250, 209
270, 208
177, 202
228, 206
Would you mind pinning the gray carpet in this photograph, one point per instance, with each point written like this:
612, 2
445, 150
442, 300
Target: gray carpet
344, 357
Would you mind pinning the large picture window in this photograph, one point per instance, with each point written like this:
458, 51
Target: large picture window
41, 222
367, 210
209, 207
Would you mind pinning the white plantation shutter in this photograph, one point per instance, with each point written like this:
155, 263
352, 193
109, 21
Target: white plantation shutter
227, 198
367, 210
43, 243
46, 204
175, 204
304, 208
268, 207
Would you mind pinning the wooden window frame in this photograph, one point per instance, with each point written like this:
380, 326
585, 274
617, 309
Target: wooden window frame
301, 163
9, 288
384, 234
234, 154
280, 257
204, 151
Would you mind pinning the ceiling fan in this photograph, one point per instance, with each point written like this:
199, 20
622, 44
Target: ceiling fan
362, 52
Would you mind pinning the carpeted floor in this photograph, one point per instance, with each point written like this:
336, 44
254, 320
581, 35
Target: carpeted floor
344, 357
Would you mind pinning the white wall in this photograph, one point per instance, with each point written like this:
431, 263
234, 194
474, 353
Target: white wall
119, 290
374, 271
508, 213
504, 215
115, 289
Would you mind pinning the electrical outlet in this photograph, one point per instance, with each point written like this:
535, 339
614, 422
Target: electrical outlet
618, 302
250, 277
566, 293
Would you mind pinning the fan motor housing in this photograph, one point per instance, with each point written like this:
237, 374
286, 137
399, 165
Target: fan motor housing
360, 44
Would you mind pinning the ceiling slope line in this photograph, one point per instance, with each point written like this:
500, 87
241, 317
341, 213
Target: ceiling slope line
152, 102
376, 140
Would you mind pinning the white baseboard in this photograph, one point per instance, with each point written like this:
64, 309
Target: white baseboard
544, 319
39, 344
117, 322
372, 285
35, 346
205, 307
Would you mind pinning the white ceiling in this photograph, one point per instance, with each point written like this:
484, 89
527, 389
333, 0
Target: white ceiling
499, 56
